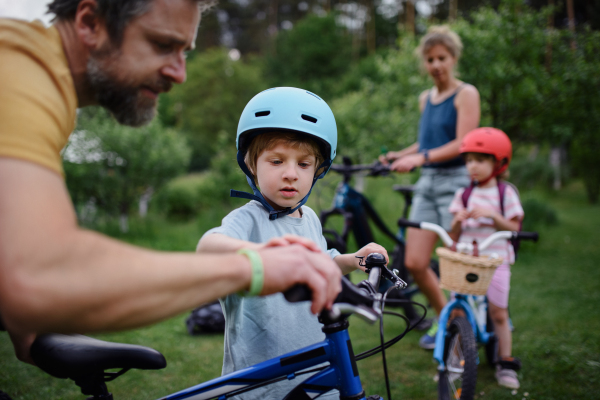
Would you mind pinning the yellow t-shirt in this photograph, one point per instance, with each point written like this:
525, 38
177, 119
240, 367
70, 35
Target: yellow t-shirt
37, 97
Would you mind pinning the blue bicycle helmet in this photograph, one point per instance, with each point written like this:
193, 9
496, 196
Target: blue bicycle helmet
285, 109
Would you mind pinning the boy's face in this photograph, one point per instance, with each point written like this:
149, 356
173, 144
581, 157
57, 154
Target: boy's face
480, 166
284, 175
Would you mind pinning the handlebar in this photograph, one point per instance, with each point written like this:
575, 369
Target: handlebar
347, 169
362, 299
468, 247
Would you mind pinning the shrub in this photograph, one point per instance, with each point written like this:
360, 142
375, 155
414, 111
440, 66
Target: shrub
538, 214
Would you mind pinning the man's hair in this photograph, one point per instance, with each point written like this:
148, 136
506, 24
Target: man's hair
116, 13
269, 140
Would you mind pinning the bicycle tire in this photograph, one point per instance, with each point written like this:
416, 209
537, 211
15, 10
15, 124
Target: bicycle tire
460, 356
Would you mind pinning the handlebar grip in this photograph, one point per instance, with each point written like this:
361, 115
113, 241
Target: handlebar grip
528, 236
409, 224
298, 293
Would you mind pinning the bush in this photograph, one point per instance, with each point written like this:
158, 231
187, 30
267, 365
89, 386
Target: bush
538, 214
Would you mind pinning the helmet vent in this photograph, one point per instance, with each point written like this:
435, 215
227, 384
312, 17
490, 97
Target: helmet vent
262, 113
309, 118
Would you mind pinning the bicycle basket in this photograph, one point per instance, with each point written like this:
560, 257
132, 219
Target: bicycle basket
463, 273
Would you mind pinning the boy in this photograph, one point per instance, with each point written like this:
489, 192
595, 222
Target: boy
492, 205
286, 140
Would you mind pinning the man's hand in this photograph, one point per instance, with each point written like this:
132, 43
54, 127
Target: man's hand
287, 240
295, 264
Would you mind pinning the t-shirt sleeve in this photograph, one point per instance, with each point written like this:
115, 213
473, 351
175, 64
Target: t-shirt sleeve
512, 204
457, 205
235, 225
37, 99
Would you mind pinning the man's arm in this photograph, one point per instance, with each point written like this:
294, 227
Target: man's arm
55, 276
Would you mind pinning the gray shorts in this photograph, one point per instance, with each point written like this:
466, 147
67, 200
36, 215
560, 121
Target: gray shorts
434, 192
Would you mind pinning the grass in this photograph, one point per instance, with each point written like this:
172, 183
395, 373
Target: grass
554, 307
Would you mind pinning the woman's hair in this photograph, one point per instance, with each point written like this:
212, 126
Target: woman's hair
116, 13
440, 34
269, 140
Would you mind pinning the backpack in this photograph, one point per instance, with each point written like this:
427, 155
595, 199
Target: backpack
207, 318
502, 185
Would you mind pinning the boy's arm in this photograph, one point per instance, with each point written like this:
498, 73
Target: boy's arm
219, 243
349, 262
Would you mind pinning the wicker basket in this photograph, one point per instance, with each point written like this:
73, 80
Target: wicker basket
466, 274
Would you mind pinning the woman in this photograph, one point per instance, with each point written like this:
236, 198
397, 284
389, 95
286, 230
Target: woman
448, 111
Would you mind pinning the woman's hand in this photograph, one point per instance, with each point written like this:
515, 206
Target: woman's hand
408, 163
389, 157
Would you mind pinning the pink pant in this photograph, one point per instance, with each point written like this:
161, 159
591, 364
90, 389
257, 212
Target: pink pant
499, 287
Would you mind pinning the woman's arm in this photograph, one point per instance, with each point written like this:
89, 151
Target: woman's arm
468, 114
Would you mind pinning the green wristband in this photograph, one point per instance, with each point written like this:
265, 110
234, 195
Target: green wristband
258, 271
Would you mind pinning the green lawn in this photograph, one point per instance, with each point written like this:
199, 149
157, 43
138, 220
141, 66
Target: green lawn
554, 306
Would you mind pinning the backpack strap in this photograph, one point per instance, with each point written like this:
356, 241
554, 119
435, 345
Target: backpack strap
467, 193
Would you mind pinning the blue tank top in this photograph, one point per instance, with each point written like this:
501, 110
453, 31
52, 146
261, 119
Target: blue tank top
438, 127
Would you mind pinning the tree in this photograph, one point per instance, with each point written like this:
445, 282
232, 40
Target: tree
311, 56
113, 165
211, 101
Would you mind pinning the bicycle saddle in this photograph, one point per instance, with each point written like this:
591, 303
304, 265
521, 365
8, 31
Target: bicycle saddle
74, 356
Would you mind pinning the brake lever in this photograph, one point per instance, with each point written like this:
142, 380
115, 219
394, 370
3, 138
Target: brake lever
367, 314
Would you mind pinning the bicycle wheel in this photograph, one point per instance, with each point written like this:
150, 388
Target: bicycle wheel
460, 356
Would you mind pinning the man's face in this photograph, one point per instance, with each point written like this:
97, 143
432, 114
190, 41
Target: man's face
127, 79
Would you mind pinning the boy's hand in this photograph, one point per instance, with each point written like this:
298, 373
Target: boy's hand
287, 240
287, 266
368, 249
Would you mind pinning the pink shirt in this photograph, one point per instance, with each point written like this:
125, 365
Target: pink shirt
479, 229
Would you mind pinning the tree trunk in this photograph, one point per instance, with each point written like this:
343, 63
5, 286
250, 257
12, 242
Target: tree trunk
410, 17
453, 12
371, 39
571, 17
549, 40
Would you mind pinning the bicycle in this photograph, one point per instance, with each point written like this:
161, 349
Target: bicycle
85, 360
457, 340
356, 211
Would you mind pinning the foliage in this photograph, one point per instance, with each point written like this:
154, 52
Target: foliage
114, 165
538, 214
211, 101
384, 112
579, 108
193, 195
311, 56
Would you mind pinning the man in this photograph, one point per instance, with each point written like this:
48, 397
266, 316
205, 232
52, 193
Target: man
55, 276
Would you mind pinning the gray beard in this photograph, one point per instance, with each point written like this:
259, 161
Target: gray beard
121, 99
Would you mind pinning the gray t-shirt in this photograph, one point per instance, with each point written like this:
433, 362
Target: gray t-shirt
260, 328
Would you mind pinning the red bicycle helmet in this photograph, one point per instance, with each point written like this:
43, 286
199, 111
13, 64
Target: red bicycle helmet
489, 141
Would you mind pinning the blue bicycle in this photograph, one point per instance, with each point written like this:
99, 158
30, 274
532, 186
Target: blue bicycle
458, 336
356, 211
84, 360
